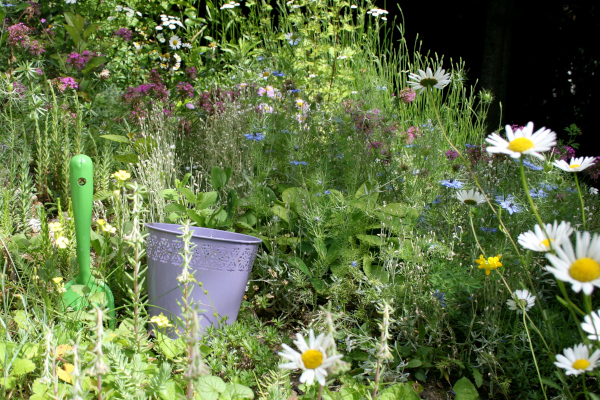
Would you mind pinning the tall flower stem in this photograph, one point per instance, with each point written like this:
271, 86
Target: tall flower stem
320, 392
468, 167
581, 200
475, 233
532, 204
537, 368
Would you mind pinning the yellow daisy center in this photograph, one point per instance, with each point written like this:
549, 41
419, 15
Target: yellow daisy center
428, 82
312, 358
470, 202
546, 243
585, 270
574, 166
581, 364
520, 145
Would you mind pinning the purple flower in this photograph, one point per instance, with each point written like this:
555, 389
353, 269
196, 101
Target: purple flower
67, 83
190, 106
185, 89
354, 263
451, 155
440, 296
508, 203
532, 166
43, 20
452, 184
407, 95
124, 33
257, 137
327, 191
298, 163
490, 230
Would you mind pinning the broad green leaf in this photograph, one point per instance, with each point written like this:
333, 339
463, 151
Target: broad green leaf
400, 391
171, 348
218, 178
20, 317
209, 387
93, 63
206, 199
74, 34
317, 283
236, 391
414, 363
298, 263
169, 194
170, 390
319, 246
89, 30
197, 218
371, 240
465, 390
281, 212
22, 366
397, 209
349, 393
98, 298
188, 194
21, 241
334, 251
175, 207
479, 378
30, 350
248, 218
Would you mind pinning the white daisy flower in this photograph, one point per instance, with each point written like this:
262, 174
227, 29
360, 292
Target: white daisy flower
175, 42
523, 141
139, 14
176, 66
137, 46
177, 57
172, 26
186, 45
427, 79
577, 164
354, 6
312, 358
537, 240
119, 8
161, 38
159, 28
470, 197
521, 301
593, 191
581, 267
110, 18
577, 360
591, 325
71, 1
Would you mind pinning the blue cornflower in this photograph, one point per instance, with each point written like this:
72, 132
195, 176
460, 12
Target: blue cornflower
440, 296
298, 162
508, 203
354, 263
437, 200
257, 137
278, 73
532, 166
318, 194
548, 186
260, 58
452, 184
490, 230
294, 90
327, 192
469, 146
538, 193
571, 190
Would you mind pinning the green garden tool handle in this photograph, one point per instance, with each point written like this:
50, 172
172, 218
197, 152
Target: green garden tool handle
82, 192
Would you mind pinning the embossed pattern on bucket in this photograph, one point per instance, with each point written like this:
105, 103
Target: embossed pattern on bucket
221, 260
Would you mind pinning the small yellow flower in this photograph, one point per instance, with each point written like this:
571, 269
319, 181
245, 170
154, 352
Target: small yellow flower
55, 227
116, 192
108, 228
121, 175
100, 221
161, 321
57, 280
62, 242
212, 45
490, 264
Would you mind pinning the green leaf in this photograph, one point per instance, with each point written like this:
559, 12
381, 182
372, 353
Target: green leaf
127, 158
319, 246
74, 34
81, 290
236, 391
281, 212
209, 387
248, 219
465, 390
188, 194
102, 195
197, 218
218, 178
171, 348
551, 383
400, 391
20, 317
206, 199
97, 241
414, 363
93, 63
89, 30
478, 377
98, 298
170, 390
22, 366
298, 263
175, 207
21, 241
372, 240
169, 194
116, 138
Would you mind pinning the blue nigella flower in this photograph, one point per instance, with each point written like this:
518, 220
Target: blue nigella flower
548, 186
260, 58
469, 146
294, 90
298, 162
490, 230
354, 263
257, 137
278, 73
381, 87
538, 193
532, 166
571, 190
327, 191
452, 184
340, 156
318, 194
508, 203
440, 296
437, 200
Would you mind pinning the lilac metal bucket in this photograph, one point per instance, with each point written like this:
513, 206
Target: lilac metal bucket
221, 260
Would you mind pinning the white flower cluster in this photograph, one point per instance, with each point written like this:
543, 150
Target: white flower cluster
378, 12
169, 21
128, 11
230, 5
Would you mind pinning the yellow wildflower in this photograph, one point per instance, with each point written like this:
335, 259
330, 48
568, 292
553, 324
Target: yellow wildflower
490, 264
62, 242
57, 280
121, 175
161, 321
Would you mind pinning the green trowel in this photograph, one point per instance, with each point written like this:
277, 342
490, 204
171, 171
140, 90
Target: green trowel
85, 289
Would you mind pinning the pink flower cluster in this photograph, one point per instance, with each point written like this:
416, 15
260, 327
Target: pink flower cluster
407, 95
67, 83
185, 89
79, 61
18, 35
191, 72
156, 88
125, 34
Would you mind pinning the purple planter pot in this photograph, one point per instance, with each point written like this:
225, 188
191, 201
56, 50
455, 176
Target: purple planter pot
221, 260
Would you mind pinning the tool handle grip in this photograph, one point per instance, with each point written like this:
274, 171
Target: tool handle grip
82, 192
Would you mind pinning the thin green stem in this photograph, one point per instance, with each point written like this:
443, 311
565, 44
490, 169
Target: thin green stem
531, 203
537, 368
581, 200
475, 233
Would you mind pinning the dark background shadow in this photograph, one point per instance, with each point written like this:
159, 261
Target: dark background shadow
540, 59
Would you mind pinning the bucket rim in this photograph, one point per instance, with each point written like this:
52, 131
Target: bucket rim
174, 229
